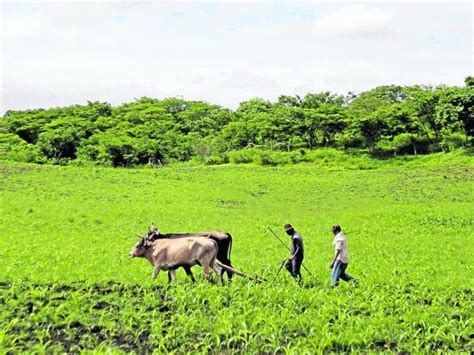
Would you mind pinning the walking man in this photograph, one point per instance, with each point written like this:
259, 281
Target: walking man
293, 265
341, 257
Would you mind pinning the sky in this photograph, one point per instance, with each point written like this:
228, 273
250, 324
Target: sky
59, 53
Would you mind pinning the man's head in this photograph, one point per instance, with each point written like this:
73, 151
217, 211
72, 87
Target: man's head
289, 229
336, 229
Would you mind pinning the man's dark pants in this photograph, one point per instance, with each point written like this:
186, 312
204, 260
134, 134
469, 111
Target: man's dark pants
293, 266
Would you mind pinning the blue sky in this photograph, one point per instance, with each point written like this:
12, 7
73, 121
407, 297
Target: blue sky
60, 52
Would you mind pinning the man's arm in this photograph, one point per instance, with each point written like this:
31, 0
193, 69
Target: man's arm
296, 245
338, 251
296, 252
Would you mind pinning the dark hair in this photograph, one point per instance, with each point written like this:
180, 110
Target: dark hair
336, 228
288, 226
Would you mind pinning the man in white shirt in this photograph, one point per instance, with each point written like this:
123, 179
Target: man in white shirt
341, 257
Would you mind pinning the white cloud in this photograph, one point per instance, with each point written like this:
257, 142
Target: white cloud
23, 26
353, 22
356, 22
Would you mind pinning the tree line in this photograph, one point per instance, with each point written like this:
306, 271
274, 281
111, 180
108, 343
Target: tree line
385, 121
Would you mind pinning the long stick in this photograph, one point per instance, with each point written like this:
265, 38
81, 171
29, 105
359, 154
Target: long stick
237, 272
281, 266
281, 241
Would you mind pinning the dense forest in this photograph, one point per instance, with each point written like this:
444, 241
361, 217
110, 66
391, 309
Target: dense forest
383, 122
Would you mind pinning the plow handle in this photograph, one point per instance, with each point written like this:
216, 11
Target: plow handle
237, 272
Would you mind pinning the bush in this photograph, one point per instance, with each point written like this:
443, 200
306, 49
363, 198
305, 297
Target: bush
422, 145
454, 141
274, 158
407, 143
26, 153
326, 155
402, 144
14, 148
299, 156
347, 141
268, 157
216, 160
244, 156
384, 148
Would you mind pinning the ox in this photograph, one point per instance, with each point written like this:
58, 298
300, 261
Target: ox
168, 255
223, 240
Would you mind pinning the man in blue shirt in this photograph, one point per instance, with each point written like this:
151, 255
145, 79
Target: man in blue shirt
293, 265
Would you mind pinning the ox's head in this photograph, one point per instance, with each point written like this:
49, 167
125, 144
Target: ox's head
140, 249
153, 232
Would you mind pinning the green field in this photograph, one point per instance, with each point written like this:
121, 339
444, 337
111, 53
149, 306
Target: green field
67, 283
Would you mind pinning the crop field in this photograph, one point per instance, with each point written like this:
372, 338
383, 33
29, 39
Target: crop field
68, 285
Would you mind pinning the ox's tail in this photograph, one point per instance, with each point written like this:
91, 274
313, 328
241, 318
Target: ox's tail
237, 272
229, 250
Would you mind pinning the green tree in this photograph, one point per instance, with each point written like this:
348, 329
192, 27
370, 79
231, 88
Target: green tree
61, 138
422, 101
455, 110
325, 121
314, 101
469, 81
291, 101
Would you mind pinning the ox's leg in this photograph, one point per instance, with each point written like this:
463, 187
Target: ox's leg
222, 257
229, 274
206, 268
172, 275
156, 271
208, 273
189, 273
218, 271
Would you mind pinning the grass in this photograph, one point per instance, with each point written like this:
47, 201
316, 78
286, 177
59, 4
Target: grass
67, 284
